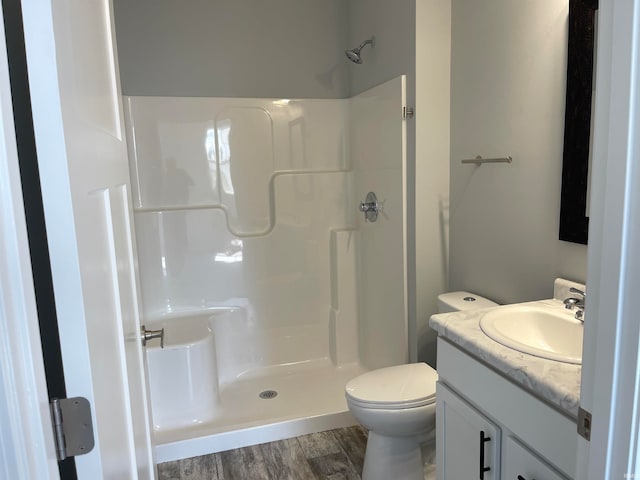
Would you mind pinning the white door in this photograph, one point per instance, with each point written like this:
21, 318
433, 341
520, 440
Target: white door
78, 123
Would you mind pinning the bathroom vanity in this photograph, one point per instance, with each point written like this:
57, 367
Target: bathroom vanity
502, 413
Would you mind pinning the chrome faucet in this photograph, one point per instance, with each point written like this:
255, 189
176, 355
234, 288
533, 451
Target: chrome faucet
576, 303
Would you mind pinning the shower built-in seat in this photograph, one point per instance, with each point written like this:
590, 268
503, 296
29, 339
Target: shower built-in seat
183, 379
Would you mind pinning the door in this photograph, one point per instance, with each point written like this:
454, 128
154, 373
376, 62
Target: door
77, 116
468, 444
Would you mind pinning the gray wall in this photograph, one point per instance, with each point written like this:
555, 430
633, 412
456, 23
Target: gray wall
393, 25
508, 86
232, 48
433, 80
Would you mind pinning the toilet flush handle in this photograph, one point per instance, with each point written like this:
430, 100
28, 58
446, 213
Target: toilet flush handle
146, 335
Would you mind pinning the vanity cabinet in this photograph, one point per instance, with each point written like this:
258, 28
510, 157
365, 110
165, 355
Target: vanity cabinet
490, 428
520, 463
468, 442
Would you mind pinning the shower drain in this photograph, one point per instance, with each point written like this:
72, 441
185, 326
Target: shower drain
267, 394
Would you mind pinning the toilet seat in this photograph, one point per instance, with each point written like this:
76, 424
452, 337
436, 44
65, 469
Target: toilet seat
394, 388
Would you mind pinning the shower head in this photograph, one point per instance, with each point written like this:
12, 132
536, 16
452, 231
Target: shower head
354, 54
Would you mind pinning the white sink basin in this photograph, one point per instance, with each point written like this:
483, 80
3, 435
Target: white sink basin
544, 332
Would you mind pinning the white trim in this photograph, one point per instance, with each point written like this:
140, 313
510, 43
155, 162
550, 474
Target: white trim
611, 374
26, 438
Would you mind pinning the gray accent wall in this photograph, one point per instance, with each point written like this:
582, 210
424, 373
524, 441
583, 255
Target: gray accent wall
507, 98
393, 23
232, 48
433, 81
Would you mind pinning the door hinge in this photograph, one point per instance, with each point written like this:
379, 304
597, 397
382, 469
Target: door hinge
72, 426
584, 423
407, 112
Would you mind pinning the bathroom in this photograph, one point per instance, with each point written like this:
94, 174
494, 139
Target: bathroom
465, 84
299, 60
473, 105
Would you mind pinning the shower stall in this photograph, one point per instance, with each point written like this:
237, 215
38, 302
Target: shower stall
272, 286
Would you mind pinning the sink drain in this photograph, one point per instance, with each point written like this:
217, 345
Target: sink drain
267, 394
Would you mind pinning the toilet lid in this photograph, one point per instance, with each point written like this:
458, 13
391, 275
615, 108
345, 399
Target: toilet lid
402, 386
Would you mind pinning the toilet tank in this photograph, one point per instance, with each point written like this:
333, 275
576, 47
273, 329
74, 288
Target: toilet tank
456, 301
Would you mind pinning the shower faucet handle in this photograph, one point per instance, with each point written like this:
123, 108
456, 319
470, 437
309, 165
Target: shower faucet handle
146, 335
370, 207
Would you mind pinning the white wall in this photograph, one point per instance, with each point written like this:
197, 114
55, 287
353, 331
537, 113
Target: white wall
508, 85
249, 207
378, 153
433, 65
227, 48
226, 195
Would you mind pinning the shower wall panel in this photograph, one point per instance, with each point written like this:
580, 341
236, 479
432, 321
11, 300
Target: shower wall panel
378, 151
236, 201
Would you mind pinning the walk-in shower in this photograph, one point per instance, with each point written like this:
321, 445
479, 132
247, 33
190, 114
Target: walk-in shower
354, 54
256, 260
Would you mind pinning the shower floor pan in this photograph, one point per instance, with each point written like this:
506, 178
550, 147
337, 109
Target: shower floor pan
304, 402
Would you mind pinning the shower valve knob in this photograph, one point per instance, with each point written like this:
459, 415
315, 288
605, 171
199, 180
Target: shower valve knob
370, 207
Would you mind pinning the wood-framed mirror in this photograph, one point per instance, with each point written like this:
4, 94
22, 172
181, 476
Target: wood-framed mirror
574, 222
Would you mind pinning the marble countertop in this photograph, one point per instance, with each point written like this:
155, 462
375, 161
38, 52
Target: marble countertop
555, 382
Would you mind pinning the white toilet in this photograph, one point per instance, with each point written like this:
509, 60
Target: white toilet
398, 407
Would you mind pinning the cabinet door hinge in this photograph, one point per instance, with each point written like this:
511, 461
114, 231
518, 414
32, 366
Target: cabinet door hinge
584, 423
72, 426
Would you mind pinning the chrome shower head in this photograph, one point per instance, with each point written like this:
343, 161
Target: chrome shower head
354, 54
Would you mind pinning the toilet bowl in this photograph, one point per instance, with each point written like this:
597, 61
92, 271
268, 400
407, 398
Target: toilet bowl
398, 407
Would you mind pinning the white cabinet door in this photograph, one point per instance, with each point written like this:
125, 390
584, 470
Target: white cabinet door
520, 463
468, 444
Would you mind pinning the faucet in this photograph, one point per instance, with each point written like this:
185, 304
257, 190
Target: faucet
573, 302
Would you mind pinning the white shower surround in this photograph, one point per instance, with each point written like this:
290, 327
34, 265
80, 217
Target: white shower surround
248, 231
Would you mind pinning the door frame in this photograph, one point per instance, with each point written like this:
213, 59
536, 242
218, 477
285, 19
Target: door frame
26, 439
28, 443
611, 366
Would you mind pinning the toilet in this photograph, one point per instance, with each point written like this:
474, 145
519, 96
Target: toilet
398, 407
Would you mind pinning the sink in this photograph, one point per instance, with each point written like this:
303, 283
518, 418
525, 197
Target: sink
546, 332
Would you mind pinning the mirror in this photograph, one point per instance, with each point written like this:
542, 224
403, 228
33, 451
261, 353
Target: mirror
574, 222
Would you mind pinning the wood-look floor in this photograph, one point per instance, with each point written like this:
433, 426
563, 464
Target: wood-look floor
332, 455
